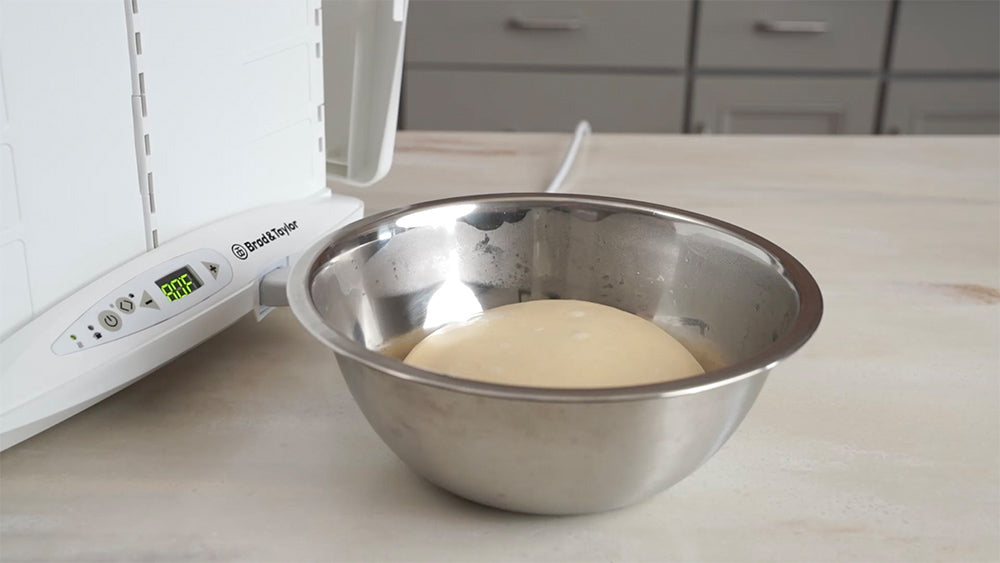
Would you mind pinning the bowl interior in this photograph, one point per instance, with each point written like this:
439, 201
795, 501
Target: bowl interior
725, 293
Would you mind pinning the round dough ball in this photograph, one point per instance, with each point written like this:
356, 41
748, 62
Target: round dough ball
559, 343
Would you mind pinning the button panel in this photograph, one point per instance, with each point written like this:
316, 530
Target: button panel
164, 291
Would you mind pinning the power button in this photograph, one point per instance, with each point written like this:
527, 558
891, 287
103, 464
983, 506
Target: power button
109, 320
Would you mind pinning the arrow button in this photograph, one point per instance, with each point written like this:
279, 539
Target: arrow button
212, 269
147, 301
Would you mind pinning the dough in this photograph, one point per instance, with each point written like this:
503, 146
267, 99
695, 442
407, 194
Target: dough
555, 343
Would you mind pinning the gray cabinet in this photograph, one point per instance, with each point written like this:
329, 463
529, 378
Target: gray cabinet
711, 66
947, 36
620, 33
943, 73
937, 107
541, 101
829, 34
529, 65
785, 105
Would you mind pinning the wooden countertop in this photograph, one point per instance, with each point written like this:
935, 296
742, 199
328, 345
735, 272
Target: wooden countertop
879, 440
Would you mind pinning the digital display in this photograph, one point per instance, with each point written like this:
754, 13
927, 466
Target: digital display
178, 284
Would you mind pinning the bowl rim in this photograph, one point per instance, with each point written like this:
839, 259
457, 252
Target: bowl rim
802, 329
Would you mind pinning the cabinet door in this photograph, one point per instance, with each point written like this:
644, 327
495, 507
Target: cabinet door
621, 33
947, 35
952, 107
792, 34
535, 101
784, 106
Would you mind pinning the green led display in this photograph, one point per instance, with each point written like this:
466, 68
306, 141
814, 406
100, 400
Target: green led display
178, 284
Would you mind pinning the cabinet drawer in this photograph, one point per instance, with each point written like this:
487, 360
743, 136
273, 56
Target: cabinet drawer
784, 106
796, 34
623, 33
530, 101
954, 107
951, 35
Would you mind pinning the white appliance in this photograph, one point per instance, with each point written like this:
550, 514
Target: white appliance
157, 158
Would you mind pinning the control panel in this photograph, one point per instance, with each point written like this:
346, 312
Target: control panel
148, 299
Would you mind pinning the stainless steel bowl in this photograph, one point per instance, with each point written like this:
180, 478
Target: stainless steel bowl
372, 290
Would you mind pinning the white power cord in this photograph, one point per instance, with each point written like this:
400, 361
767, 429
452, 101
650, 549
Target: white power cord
582, 130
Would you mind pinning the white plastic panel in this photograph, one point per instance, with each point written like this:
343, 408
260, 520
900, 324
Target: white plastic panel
15, 303
70, 196
233, 94
10, 209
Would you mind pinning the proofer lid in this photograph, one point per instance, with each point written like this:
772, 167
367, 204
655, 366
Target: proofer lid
363, 60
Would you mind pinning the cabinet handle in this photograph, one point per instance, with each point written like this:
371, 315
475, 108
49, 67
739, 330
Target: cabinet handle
544, 24
790, 26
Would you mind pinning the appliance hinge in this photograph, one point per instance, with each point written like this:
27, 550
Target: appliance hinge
140, 122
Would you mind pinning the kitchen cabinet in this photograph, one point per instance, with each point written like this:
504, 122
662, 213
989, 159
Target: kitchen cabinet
784, 105
543, 101
575, 33
544, 65
938, 107
810, 35
943, 76
947, 36
704, 66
